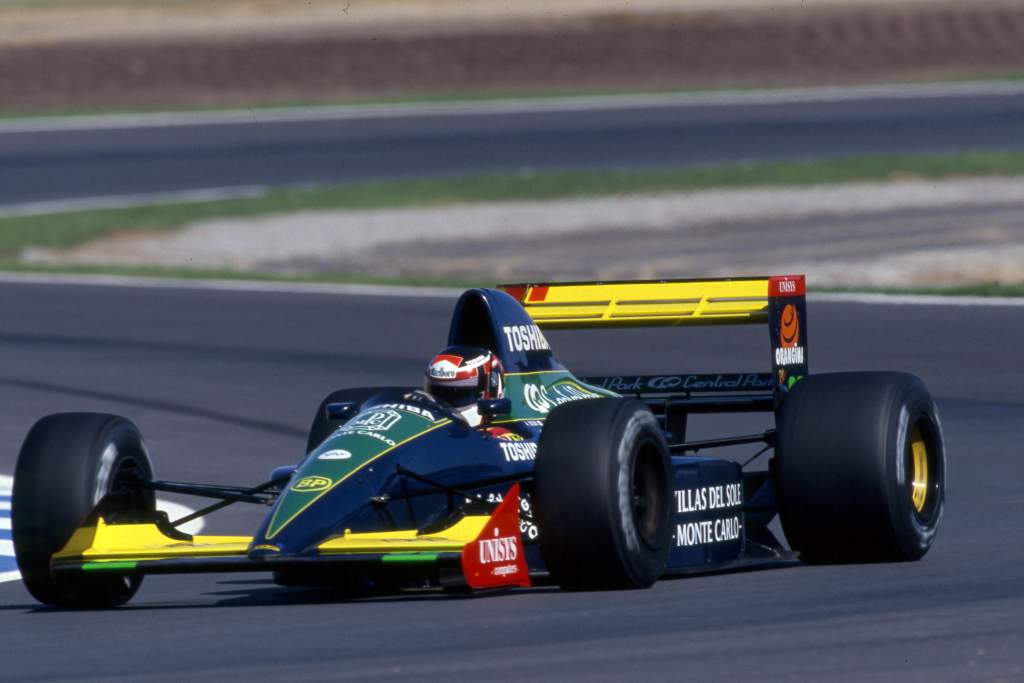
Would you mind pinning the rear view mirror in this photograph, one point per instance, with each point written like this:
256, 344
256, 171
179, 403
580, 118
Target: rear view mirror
341, 411
493, 407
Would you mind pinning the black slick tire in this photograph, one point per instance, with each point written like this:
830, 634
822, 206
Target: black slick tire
68, 464
862, 467
603, 491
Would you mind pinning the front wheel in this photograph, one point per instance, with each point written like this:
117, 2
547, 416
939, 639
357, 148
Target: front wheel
68, 465
603, 491
862, 467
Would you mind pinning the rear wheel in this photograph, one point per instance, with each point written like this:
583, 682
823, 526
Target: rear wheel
862, 467
68, 465
603, 492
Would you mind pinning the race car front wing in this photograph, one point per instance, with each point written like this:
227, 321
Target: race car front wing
477, 550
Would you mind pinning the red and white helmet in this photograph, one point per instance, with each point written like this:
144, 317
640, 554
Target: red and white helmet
462, 375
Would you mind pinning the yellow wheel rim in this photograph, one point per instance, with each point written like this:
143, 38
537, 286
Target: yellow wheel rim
919, 485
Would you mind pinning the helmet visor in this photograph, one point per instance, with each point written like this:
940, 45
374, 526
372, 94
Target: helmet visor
457, 397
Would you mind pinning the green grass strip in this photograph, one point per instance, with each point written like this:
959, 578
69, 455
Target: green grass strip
108, 566
69, 229
409, 557
14, 266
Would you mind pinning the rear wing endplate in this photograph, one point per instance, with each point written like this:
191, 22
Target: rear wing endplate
777, 300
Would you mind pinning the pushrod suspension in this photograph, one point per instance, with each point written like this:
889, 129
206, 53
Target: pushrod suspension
767, 437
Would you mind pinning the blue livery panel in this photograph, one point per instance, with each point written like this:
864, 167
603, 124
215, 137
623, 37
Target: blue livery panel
707, 512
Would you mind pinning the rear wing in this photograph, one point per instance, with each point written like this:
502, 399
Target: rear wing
779, 301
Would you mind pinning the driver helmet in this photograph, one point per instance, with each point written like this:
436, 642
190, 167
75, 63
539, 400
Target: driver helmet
461, 375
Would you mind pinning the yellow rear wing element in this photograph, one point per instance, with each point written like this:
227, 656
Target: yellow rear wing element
645, 303
778, 300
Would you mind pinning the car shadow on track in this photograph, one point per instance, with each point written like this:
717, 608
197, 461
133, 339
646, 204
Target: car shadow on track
268, 594
265, 593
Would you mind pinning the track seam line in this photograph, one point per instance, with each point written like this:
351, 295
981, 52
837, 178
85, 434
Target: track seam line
404, 291
229, 285
916, 299
582, 103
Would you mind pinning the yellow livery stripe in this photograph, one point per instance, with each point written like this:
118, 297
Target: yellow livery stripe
451, 539
644, 304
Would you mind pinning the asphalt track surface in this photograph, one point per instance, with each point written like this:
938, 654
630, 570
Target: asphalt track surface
223, 385
51, 165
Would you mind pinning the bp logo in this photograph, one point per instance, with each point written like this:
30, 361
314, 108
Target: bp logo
311, 484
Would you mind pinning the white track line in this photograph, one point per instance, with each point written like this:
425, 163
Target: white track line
230, 285
741, 98
177, 510
917, 299
130, 200
435, 292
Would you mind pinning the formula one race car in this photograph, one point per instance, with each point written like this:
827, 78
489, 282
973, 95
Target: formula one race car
590, 483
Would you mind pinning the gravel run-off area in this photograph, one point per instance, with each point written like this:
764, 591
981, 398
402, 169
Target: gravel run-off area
904, 233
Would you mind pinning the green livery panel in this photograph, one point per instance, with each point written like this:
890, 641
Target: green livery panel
535, 394
359, 442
